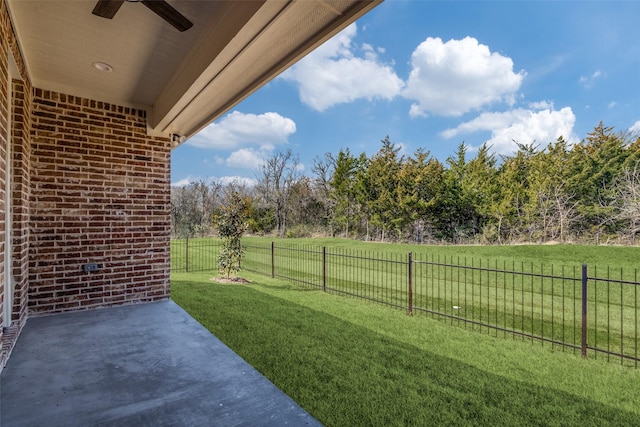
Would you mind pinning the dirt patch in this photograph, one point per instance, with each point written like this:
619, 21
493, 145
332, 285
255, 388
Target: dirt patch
230, 280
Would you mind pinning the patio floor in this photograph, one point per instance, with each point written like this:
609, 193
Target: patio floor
137, 365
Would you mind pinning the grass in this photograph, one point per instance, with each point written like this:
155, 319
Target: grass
349, 362
476, 296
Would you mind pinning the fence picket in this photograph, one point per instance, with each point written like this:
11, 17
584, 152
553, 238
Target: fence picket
461, 290
585, 323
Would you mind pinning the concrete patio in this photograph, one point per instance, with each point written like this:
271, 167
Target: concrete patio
136, 365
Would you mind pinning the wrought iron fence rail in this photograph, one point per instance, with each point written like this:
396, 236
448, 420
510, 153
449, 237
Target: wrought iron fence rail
622, 282
497, 270
571, 309
360, 257
299, 250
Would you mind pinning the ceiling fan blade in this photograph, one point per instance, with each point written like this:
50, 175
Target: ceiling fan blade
169, 14
107, 8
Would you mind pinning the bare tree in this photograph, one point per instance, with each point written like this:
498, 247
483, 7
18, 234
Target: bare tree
628, 200
565, 209
557, 210
322, 169
192, 207
276, 178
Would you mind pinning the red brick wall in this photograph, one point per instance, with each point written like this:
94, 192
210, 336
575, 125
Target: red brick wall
5, 30
21, 97
21, 178
20, 124
100, 193
4, 93
88, 185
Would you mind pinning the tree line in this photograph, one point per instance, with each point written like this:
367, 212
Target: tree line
586, 192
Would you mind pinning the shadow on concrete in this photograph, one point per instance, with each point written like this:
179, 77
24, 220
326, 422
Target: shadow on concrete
143, 365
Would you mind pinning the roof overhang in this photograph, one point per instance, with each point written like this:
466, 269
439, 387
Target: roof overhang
184, 80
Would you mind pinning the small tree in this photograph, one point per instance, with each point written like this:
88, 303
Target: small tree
231, 220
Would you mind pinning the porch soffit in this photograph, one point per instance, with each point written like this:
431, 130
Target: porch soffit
185, 80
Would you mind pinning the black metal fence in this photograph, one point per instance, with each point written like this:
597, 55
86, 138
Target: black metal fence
589, 312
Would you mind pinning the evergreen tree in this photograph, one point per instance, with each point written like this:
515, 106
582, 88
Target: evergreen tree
420, 186
596, 163
342, 191
382, 174
479, 188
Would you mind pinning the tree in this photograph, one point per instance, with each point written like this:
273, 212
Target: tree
192, 206
513, 209
342, 190
309, 210
457, 214
420, 188
382, 172
479, 188
552, 205
564, 191
322, 169
597, 162
276, 179
231, 222
362, 191
628, 200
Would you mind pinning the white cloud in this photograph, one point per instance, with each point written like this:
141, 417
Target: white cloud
520, 125
541, 105
247, 158
183, 182
225, 180
458, 76
191, 179
253, 159
332, 74
635, 128
239, 129
247, 182
589, 81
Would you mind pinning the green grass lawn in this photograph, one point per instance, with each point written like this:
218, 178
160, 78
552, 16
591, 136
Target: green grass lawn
477, 296
349, 362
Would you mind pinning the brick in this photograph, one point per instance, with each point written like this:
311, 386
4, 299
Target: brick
81, 170
88, 186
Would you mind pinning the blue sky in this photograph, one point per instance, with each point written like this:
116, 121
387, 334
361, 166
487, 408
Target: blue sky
433, 74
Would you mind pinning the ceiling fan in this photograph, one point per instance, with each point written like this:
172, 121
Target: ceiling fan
108, 8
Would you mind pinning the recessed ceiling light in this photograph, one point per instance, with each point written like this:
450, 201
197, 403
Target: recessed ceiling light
103, 67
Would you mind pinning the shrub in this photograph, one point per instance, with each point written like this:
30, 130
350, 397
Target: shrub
231, 222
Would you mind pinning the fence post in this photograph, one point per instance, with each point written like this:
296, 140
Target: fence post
324, 268
187, 255
410, 291
273, 261
584, 310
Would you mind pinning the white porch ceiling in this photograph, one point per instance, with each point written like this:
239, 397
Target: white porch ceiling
184, 80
